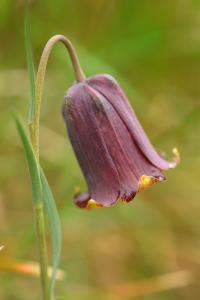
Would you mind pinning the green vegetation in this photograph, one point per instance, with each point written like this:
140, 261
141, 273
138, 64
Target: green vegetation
153, 49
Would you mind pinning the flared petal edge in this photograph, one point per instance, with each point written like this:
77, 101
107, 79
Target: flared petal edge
85, 201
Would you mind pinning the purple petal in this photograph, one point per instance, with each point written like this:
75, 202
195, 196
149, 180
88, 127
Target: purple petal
110, 89
109, 156
92, 153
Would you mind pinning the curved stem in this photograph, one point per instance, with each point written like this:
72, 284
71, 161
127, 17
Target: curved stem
34, 126
34, 132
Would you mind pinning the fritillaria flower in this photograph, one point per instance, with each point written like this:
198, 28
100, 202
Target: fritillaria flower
114, 153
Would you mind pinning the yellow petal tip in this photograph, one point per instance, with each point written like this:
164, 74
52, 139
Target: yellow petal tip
93, 204
146, 182
176, 154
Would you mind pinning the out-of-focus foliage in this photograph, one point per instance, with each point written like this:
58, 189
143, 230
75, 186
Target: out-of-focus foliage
153, 49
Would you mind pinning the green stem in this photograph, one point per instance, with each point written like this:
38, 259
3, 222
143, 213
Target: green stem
34, 132
40, 229
34, 126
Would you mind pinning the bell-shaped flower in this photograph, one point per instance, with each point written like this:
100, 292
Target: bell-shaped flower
114, 153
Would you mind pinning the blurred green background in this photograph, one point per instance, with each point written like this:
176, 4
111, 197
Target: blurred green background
153, 49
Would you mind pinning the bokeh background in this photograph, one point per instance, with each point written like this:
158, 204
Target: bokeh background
150, 248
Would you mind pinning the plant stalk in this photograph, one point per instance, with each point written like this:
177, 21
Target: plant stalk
41, 236
34, 126
34, 133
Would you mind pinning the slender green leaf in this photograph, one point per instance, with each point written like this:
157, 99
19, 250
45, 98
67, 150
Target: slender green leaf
55, 227
41, 192
30, 63
32, 162
47, 194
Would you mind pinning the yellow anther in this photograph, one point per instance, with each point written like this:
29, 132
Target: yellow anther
177, 154
77, 190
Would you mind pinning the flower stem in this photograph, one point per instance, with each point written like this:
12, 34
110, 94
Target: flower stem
34, 126
34, 133
40, 229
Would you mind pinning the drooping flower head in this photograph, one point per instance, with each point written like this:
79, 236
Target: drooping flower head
114, 153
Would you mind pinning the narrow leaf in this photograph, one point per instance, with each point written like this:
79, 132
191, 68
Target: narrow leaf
32, 162
30, 63
54, 221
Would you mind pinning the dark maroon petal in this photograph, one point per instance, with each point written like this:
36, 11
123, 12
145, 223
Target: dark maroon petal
110, 89
97, 133
114, 153
81, 200
130, 163
92, 153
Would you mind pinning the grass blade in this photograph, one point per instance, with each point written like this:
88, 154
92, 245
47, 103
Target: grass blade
30, 64
32, 162
41, 192
54, 220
